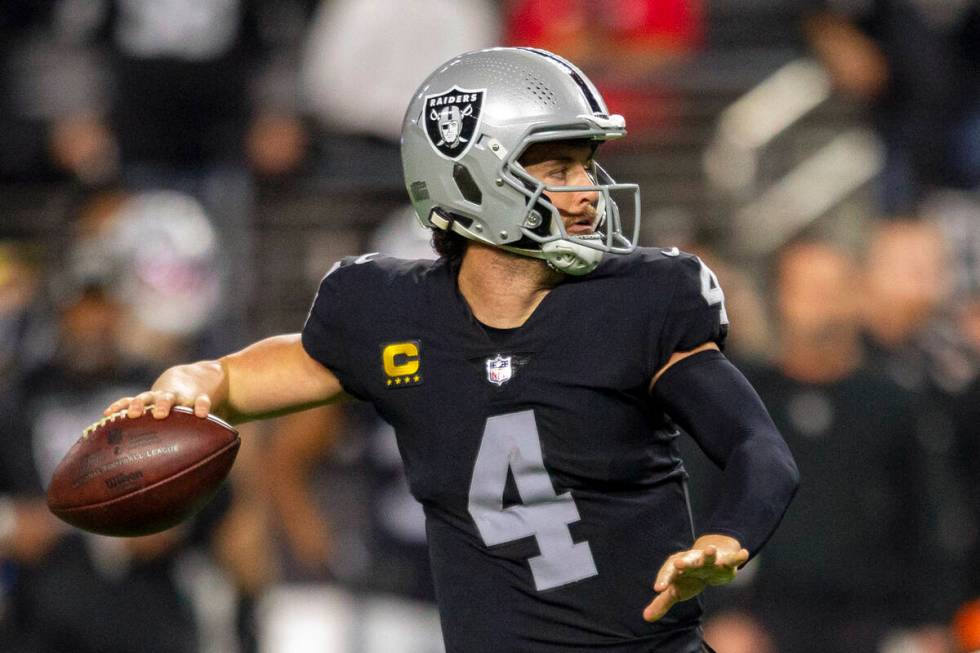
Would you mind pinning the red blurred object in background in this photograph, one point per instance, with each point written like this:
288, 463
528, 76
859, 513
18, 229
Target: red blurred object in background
966, 627
620, 44
624, 25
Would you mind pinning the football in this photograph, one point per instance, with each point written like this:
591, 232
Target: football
129, 477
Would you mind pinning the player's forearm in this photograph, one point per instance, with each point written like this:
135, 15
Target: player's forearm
215, 379
711, 400
759, 481
273, 377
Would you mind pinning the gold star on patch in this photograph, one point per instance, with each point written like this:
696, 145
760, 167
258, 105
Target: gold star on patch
416, 378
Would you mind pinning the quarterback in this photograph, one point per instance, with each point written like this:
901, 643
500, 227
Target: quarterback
537, 376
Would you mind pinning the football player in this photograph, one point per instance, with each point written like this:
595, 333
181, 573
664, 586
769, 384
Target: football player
534, 375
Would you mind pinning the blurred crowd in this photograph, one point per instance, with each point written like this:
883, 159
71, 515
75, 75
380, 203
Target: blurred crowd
136, 137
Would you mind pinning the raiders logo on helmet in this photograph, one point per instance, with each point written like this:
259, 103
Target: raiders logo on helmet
451, 120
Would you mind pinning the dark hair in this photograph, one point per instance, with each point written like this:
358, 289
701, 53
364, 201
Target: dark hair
449, 244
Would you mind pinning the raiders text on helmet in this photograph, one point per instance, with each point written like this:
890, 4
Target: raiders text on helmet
464, 131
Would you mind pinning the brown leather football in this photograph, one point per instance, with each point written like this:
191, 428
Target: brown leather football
129, 477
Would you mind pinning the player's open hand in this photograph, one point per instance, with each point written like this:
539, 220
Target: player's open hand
713, 560
161, 402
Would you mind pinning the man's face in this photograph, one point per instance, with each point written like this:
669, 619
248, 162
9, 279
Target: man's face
90, 331
907, 278
564, 163
815, 293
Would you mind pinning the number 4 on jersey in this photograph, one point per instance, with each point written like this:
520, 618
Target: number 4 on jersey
712, 292
511, 442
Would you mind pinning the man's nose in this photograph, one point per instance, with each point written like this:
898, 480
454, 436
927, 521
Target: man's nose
583, 178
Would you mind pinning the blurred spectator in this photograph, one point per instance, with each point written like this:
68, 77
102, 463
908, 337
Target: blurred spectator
19, 285
71, 591
957, 215
915, 62
184, 90
200, 95
364, 57
828, 581
620, 44
952, 342
737, 632
967, 418
298, 446
156, 251
909, 279
120, 266
23, 25
242, 542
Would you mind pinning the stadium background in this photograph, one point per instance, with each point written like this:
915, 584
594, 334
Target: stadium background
176, 176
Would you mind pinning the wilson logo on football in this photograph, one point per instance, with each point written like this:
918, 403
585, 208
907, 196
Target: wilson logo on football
452, 118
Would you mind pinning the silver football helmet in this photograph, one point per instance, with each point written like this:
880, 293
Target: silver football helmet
466, 128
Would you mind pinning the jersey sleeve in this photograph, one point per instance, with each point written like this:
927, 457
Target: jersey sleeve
694, 315
328, 326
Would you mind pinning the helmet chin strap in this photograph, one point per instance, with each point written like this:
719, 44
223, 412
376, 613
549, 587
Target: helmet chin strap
566, 255
571, 258
563, 255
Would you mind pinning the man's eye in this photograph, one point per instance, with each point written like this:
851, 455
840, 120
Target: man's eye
560, 173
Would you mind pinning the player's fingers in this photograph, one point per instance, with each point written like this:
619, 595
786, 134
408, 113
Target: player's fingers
722, 576
661, 603
202, 405
117, 405
734, 560
725, 570
690, 560
139, 404
665, 576
709, 556
162, 404
741, 557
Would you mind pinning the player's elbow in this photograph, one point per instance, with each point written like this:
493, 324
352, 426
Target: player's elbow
792, 475
783, 468
765, 453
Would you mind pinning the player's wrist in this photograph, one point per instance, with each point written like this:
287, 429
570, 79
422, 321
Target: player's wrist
188, 382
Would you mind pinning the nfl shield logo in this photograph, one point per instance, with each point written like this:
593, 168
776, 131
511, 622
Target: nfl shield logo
451, 120
499, 369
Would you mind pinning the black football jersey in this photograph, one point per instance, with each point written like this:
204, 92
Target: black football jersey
550, 479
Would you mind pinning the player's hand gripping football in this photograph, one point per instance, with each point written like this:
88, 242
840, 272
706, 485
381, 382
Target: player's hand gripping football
161, 402
194, 386
713, 560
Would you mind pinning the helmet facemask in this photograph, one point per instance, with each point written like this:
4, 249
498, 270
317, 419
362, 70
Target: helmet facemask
543, 228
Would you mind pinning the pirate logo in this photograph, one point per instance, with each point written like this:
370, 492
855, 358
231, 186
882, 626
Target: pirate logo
451, 120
